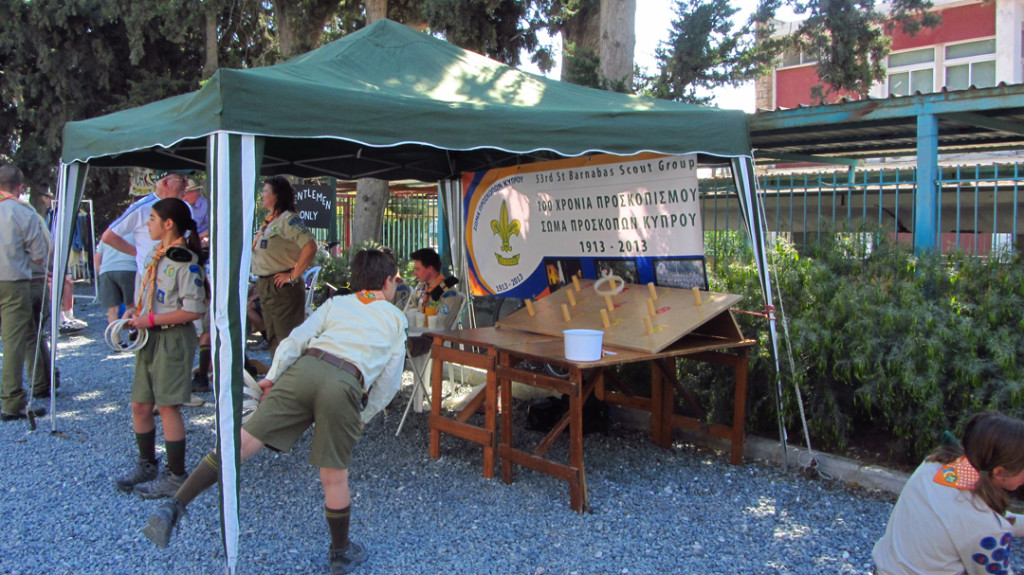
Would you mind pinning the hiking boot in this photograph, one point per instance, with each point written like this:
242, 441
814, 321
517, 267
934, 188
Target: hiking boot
23, 414
165, 485
201, 383
347, 559
144, 471
162, 522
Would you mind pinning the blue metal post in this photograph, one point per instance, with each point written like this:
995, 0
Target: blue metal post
926, 219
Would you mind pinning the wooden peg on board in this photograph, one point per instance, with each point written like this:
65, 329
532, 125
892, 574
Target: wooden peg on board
608, 303
696, 295
565, 313
576, 283
604, 318
529, 308
572, 298
654, 291
650, 306
647, 325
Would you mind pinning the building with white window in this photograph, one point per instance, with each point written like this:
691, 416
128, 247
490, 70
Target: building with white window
977, 44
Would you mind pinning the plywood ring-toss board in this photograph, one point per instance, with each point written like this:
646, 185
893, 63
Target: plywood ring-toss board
676, 315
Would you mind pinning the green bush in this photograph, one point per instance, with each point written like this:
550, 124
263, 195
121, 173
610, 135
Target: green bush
881, 341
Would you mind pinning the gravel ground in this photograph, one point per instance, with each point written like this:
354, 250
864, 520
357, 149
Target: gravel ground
680, 510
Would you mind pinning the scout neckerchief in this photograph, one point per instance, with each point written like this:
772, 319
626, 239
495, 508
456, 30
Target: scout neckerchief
959, 474
149, 278
426, 292
367, 296
263, 228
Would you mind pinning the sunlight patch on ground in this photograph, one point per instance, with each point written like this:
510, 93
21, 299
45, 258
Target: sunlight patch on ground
765, 508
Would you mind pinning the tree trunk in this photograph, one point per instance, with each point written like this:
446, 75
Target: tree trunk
582, 32
376, 10
212, 47
285, 33
618, 39
368, 214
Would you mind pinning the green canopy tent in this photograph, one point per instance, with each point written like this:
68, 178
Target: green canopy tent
386, 102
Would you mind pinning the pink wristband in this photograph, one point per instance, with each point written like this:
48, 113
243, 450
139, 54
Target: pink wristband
151, 320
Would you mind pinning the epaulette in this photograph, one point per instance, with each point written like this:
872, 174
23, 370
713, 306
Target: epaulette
179, 254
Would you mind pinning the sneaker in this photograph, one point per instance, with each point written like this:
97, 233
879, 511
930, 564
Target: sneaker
194, 401
347, 559
165, 485
201, 383
23, 414
144, 471
72, 325
163, 521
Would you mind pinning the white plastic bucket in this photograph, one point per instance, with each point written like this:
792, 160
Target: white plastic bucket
583, 344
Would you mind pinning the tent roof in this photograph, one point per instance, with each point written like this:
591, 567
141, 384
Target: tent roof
393, 103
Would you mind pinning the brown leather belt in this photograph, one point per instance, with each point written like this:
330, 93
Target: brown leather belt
289, 271
342, 364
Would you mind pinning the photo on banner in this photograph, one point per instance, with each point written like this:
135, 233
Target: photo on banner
530, 228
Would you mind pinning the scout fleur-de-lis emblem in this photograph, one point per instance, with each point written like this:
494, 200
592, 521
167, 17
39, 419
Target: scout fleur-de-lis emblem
505, 228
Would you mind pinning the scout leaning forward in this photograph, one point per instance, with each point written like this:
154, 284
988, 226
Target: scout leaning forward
350, 346
171, 295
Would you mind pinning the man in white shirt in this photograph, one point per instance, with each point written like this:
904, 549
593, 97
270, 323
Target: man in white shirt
129, 234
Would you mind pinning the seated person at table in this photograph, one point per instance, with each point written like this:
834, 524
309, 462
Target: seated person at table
349, 347
426, 266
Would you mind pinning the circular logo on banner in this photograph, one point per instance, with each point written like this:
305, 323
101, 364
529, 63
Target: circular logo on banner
501, 226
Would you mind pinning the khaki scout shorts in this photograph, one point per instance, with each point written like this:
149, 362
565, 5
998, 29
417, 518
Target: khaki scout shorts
312, 391
163, 367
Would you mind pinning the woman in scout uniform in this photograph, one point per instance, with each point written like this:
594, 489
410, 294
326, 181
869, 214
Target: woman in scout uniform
171, 294
281, 252
952, 517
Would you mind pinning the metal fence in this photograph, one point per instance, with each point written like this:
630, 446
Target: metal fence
410, 221
979, 206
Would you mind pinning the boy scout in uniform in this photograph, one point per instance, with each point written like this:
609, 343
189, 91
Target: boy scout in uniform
171, 295
22, 241
350, 346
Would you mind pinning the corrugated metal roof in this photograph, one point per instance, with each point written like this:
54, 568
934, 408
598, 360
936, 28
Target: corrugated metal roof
973, 120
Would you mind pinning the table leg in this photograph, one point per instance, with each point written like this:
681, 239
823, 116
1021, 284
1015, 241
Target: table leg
491, 416
505, 389
739, 408
578, 483
435, 400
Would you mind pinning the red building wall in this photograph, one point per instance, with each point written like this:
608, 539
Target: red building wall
793, 85
958, 24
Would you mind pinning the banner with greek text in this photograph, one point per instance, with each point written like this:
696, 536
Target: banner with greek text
530, 228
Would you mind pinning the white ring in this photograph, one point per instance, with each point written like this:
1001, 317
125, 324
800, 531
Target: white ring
112, 335
619, 285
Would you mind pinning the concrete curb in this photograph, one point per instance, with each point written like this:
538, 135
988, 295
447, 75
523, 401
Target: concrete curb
755, 448
769, 451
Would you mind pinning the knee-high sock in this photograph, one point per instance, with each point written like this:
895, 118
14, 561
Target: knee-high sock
203, 477
337, 522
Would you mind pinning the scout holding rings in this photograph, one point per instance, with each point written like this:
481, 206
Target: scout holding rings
281, 252
171, 295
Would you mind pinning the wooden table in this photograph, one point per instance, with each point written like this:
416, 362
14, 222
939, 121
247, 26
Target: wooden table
477, 348
664, 385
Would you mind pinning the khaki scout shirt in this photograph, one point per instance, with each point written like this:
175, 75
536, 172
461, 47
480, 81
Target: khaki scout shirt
277, 248
179, 285
23, 238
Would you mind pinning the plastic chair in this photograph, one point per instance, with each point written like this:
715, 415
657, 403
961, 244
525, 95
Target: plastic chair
309, 278
450, 308
402, 295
